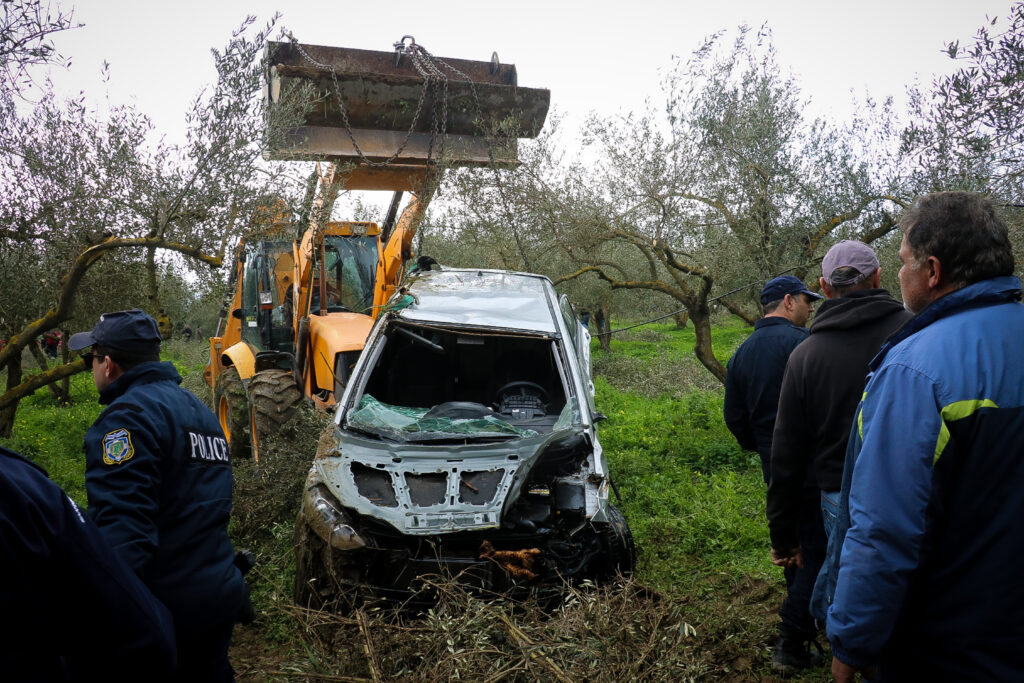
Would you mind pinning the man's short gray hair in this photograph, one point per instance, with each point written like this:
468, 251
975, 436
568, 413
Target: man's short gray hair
961, 230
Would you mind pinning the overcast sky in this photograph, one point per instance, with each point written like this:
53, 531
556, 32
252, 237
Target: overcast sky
594, 56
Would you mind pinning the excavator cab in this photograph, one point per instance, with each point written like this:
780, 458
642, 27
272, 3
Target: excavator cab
265, 312
349, 269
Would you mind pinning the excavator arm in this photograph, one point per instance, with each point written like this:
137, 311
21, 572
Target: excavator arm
398, 248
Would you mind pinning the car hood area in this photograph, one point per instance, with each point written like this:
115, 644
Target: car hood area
424, 489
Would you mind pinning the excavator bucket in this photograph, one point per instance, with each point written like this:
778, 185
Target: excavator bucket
386, 116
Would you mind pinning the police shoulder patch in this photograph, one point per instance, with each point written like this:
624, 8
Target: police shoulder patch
117, 447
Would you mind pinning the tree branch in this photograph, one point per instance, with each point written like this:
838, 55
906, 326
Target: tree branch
71, 279
33, 382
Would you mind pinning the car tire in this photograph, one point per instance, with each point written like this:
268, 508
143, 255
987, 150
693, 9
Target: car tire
617, 539
316, 586
231, 404
273, 406
311, 580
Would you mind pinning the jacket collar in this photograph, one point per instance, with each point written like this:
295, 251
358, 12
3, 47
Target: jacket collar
142, 374
774, 320
998, 290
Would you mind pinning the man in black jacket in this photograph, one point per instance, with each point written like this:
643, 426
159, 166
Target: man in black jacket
158, 478
752, 385
754, 373
823, 383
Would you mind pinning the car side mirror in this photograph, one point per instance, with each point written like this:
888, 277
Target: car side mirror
599, 417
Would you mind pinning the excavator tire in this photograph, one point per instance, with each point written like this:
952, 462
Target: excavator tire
273, 405
232, 406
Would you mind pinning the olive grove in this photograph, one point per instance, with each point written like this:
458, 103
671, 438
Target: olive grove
87, 199
723, 187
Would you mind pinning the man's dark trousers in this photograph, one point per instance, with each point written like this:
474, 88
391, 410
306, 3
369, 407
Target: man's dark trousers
797, 621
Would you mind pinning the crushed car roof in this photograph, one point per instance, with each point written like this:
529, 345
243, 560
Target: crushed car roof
484, 298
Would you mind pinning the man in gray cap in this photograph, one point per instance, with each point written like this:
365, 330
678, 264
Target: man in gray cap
158, 479
823, 383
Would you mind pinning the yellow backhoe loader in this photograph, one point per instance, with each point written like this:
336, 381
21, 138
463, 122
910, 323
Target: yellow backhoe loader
304, 299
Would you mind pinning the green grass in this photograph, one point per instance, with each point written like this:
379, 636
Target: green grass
53, 436
693, 498
652, 340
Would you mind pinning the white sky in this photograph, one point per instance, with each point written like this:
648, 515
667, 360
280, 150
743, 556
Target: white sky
594, 55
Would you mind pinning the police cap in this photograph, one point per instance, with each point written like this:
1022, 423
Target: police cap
132, 331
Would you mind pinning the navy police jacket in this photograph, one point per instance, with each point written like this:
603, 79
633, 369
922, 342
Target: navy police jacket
159, 482
56, 573
753, 382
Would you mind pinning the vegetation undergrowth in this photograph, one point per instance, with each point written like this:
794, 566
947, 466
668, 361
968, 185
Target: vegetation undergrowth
53, 435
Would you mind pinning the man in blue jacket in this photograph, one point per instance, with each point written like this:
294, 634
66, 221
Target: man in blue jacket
56, 573
159, 482
929, 578
752, 384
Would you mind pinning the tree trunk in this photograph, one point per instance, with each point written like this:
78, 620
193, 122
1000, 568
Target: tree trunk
65, 354
602, 320
681, 317
13, 379
701, 318
153, 293
55, 390
739, 312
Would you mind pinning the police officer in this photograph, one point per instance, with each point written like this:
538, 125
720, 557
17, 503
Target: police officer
56, 573
159, 481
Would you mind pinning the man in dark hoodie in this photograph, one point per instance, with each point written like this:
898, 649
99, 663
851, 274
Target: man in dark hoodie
823, 383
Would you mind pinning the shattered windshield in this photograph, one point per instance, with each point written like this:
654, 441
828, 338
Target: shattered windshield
401, 423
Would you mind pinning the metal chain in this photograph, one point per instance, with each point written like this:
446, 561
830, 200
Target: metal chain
424, 64
344, 113
490, 148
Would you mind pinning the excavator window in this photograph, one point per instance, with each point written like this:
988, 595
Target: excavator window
264, 323
350, 266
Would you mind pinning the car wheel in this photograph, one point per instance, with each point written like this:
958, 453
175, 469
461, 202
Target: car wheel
232, 406
311, 581
617, 539
316, 583
273, 405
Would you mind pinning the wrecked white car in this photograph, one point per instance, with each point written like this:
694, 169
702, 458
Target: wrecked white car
464, 445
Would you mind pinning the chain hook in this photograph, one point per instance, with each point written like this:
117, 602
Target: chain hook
401, 48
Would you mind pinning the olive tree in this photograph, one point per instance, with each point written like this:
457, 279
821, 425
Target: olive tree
728, 185
86, 201
25, 30
724, 185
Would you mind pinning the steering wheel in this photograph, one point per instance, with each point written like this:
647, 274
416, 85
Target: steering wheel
524, 389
